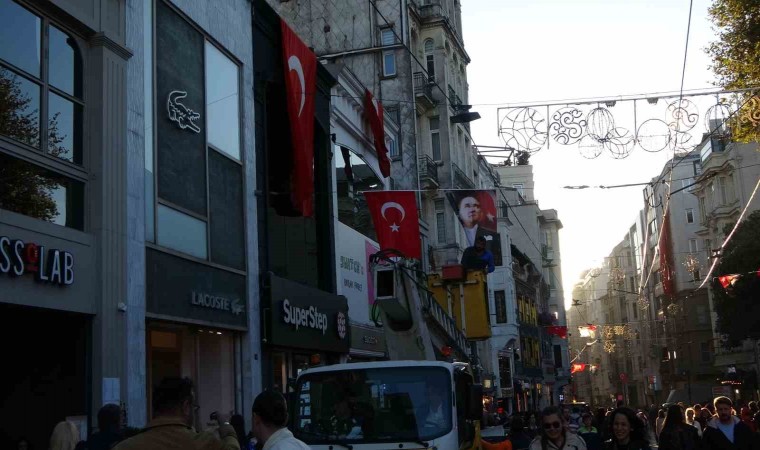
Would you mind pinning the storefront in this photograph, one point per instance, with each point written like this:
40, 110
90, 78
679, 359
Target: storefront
196, 319
303, 326
46, 310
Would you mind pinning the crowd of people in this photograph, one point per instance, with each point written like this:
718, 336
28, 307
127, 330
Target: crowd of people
715, 426
172, 426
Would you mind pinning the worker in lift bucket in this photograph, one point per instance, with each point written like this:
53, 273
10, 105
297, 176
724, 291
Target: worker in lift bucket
477, 257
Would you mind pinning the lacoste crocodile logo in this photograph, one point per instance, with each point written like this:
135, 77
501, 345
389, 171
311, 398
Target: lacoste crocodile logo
181, 114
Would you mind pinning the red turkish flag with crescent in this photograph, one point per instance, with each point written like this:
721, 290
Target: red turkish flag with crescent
394, 214
374, 110
578, 367
300, 65
559, 331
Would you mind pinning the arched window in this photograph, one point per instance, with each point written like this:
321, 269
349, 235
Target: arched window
430, 59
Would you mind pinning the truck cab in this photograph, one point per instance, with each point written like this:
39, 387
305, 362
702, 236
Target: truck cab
387, 405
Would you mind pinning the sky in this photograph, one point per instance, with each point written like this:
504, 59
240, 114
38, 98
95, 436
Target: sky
534, 51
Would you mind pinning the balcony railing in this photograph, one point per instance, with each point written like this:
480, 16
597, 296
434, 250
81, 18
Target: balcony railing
423, 91
461, 180
428, 170
431, 10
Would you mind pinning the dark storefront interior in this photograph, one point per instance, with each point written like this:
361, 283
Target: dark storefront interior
45, 378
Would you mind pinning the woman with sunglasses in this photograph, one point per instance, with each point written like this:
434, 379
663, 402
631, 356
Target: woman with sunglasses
554, 434
627, 431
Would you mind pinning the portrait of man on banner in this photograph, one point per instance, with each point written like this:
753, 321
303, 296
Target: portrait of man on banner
476, 211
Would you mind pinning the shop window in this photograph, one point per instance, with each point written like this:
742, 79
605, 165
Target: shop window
33, 191
354, 175
205, 356
222, 102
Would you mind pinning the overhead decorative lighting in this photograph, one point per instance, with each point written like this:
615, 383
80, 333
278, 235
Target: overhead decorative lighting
692, 263
643, 302
609, 346
673, 309
617, 275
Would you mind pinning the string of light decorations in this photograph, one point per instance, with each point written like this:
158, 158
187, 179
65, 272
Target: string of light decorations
526, 129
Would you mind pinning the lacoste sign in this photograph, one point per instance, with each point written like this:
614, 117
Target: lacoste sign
217, 302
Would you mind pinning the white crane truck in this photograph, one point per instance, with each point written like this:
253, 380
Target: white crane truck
413, 401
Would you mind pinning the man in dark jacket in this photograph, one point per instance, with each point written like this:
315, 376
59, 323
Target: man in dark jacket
726, 431
109, 429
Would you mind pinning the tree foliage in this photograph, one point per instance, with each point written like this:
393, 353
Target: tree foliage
736, 59
24, 187
738, 308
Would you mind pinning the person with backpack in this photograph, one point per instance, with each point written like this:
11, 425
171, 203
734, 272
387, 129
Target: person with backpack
676, 434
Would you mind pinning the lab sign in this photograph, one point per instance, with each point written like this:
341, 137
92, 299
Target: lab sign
47, 265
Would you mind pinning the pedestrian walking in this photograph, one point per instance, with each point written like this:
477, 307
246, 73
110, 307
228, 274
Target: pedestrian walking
590, 433
746, 417
659, 423
270, 416
65, 436
691, 420
519, 436
109, 429
174, 410
627, 431
726, 431
676, 434
554, 433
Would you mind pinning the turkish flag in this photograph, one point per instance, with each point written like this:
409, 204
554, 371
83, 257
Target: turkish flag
577, 367
557, 331
300, 66
728, 280
394, 214
374, 110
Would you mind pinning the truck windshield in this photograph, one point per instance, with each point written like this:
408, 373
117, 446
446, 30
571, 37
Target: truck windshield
373, 405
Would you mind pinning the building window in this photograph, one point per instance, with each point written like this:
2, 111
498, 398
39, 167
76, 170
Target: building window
28, 189
430, 60
704, 351
387, 37
440, 220
222, 102
730, 189
690, 215
389, 64
707, 248
353, 175
702, 318
693, 247
182, 232
199, 196
697, 166
42, 108
723, 196
435, 138
519, 187
500, 301
390, 143
702, 211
